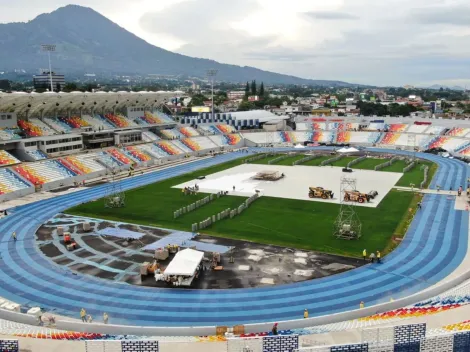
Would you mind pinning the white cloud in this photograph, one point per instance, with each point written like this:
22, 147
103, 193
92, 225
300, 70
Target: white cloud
391, 42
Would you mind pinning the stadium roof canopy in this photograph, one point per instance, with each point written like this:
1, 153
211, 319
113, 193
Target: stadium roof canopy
54, 103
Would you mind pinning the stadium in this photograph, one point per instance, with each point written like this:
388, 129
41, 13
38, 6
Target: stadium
213, 229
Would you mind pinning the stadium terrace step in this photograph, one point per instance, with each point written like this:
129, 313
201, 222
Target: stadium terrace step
98, 122
119, 121
35, 128
154, 118
397, 127
44, 172
8, 134
138, 154
74, 122
172, 134
9, 182
57, 125
148, 136
85, 163
168, 148
121, 157
37, 154
7, 159
189, 132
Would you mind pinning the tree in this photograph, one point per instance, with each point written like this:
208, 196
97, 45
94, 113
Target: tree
197, 100
253, 87
246, 106
70, 87
261, 91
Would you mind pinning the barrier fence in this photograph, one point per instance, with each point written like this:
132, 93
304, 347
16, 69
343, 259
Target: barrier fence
425, 169
332, 160
9, 346
356, 161
122, 346
401, 338
386, 164
304, 160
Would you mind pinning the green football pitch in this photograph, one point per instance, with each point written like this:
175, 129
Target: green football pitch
278, 221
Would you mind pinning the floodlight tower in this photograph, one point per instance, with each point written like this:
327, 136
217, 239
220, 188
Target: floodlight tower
49, 48
347, 225
212, 73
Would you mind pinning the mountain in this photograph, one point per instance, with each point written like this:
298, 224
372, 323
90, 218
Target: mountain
89, 42
437, 87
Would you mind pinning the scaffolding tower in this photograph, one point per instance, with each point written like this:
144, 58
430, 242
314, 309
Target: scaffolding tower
412, 144
115, 196
347, 225
269, 139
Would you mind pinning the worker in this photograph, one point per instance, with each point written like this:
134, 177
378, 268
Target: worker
105, 318
364, 254
89, 318
234, 188
305, 314
378, 257
419, 205
372, 257
83, 315
274, 329
468, 194
14, 235
438, 188
361, 305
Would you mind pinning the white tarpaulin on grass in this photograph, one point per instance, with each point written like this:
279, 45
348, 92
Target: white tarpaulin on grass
184, 263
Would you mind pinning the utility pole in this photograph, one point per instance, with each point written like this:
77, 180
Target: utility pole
49, 48
212, 73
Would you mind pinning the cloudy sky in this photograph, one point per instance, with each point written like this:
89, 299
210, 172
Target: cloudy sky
387, 42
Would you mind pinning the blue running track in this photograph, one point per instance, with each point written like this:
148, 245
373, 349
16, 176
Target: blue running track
435, 245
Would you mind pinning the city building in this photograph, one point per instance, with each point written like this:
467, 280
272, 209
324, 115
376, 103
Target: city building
236, 94
43, 81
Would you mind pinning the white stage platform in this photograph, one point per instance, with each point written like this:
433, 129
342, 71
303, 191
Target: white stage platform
296, 182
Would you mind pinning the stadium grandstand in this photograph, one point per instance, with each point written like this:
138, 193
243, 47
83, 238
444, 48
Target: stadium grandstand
52, 142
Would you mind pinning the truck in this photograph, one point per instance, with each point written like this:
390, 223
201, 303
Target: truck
320, 192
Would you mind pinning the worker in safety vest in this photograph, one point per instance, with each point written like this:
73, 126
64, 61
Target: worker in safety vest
378, 256
361, 305
14, 236
83, 315
305, 314
364, 254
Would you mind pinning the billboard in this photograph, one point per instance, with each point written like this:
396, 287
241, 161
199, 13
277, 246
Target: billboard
253, 98
200, 109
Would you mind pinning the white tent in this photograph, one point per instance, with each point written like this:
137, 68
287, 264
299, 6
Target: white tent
184, 263
299, 146
347, 150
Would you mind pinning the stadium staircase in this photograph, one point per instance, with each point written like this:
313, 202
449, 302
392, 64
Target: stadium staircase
37, 154
57, 125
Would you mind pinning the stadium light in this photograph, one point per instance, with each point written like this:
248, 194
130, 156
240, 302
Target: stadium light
212, 73
49, 48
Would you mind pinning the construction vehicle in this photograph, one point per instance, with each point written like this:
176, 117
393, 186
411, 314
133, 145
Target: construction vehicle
356, 196
320, 192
